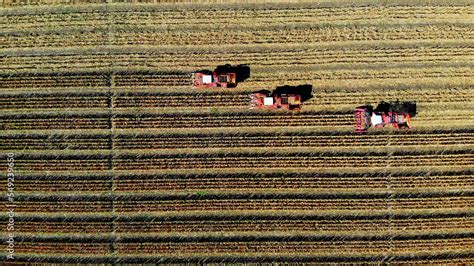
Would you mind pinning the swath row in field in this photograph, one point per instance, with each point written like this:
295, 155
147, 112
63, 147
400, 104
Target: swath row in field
243, 223
215, 99
244, 181
255, 35
198, 60
133, 203
244, 15
40, 162
176, 120
235, 140
328, 245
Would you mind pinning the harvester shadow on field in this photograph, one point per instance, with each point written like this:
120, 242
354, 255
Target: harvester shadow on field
242, 71
306, 91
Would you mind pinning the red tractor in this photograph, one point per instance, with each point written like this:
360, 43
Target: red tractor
397, 114
223, 76
270, 100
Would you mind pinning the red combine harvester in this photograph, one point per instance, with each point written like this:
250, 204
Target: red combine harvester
269, 100
223, 77
397, 114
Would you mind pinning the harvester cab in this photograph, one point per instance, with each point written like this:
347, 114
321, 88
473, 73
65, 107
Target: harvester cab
398, 114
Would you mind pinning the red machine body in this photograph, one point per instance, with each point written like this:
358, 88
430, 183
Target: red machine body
275, 101
393, 113
222, 76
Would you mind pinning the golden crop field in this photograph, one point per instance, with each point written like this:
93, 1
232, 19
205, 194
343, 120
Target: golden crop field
110, 155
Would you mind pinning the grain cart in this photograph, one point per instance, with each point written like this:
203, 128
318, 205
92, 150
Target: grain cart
398, 114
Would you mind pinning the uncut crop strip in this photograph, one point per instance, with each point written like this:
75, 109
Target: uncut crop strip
243, 181
192, 60
132, 203
244, 15
252, 35
312, 74
207, 120
243, 140
342, 224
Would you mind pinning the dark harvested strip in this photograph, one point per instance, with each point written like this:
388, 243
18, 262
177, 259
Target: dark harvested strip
243, 196
236, 217
251, 119
241, 238
189, 100
101, 121
94, 79
293, 161
449, 257
55, 142
42, 162
381, 223
52, 121
219, 140
324, 139
220, 202
241, 181
59, 100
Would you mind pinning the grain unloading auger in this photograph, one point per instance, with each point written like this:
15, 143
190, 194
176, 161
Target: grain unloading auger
398, 114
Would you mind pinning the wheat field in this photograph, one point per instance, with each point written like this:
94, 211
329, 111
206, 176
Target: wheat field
119, 159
